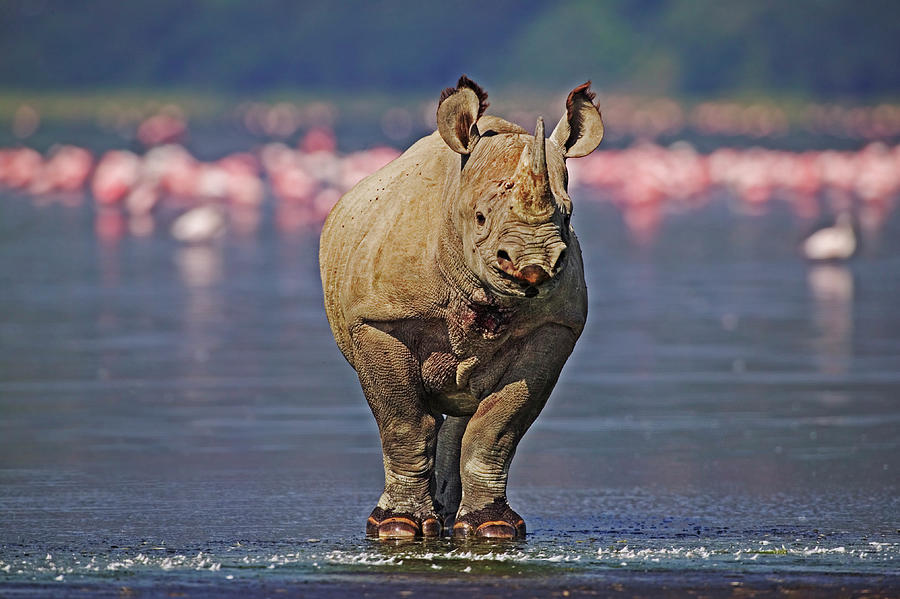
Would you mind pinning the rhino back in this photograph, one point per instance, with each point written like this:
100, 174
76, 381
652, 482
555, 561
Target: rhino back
378, 246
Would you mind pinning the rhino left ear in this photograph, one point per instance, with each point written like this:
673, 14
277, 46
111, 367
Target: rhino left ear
580, 130
457, 113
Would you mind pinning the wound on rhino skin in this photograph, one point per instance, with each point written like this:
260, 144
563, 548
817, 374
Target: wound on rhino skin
486, 320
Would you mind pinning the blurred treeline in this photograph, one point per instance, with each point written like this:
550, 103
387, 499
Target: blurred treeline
825, 49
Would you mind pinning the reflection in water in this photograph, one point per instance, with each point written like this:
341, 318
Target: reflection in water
141, 225
292, 219
244, 219
805, 205
109, 225
872, 216
831, 287
643, 222
199, 266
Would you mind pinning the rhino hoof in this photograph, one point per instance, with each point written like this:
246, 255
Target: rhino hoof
386, 525
493, 529
496, 521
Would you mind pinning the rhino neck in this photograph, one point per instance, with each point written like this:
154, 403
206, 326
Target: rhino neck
453, 267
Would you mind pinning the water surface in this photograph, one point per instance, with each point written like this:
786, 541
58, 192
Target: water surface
180, 415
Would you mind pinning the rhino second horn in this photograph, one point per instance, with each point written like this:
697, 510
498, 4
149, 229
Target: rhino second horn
533, 198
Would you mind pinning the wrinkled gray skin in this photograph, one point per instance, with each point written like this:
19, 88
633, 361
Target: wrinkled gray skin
454, 286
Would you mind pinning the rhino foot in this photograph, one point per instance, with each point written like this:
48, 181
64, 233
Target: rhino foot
388, 524
494, 521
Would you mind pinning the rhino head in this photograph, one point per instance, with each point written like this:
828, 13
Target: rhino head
511, 209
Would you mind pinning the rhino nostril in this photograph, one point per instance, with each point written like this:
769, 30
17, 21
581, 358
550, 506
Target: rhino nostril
506, 264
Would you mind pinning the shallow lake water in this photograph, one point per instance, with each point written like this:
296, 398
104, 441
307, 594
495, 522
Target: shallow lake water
179, 417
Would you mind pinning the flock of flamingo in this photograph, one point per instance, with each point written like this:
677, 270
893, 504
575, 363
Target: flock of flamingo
644, 180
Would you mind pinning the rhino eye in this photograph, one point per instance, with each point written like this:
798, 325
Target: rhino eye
479, 218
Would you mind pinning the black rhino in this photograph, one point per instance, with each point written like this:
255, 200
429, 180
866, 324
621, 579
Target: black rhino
454, 286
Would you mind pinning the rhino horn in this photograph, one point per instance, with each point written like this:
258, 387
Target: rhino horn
533, 200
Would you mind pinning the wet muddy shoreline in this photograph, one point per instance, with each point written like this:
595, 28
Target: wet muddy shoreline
636, 585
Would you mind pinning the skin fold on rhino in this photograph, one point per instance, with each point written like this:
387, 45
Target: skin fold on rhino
454, 286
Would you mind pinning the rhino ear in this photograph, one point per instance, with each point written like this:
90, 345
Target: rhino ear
579, 130
457, 113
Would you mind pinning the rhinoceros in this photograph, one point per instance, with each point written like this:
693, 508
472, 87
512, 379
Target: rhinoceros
454, 286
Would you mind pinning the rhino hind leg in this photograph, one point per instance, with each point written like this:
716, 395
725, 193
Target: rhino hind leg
388, 375
448, 484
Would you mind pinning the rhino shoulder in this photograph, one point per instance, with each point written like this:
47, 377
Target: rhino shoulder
378, 245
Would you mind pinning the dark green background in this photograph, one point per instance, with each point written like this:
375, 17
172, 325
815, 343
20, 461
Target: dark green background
700, 48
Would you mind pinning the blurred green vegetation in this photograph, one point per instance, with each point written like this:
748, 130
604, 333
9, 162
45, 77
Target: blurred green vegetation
821, 49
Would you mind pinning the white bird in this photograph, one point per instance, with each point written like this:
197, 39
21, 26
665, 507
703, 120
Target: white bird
199, 225
832, 243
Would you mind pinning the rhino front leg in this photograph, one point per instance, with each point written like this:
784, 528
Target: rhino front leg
388, 375
497, 426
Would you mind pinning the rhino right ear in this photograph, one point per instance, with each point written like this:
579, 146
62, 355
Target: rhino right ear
457, 113
580, 130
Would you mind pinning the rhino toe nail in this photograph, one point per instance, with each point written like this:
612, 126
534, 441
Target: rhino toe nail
431, 527
462, 529
496, 530
398, 528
